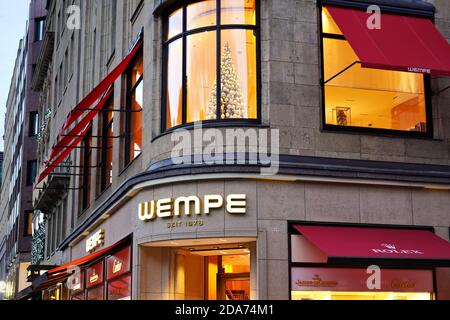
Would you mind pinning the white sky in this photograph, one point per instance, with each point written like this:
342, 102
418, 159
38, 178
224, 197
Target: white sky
13, 17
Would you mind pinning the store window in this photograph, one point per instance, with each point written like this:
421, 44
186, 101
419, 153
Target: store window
206, 41
108, 278
119, 275
135, 97
106, 132
365, 99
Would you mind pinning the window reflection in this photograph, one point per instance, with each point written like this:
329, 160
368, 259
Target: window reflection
174, 84
201, 14
175, 25
238, 12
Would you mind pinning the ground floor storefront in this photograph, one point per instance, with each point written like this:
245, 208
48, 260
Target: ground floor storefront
236, 238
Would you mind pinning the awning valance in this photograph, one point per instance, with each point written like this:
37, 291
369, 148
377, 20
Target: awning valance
395, 246
403, 43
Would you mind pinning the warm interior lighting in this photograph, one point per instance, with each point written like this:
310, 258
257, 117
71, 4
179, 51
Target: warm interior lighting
333, 295
223, 252
237, 64
369, 98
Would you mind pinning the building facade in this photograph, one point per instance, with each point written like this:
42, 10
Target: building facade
20, 163
151, 190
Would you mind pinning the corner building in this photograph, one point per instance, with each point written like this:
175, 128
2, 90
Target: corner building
364, 171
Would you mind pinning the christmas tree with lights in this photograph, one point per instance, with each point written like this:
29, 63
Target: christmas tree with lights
232, 103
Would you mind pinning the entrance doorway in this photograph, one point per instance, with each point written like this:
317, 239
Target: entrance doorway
209, 269
228, 276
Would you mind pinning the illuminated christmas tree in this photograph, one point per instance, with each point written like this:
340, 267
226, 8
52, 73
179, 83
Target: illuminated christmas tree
232, 103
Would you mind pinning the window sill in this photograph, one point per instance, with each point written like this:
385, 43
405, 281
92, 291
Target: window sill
378, 132
215, 124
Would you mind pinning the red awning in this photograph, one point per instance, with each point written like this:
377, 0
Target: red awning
365, 243
84, 113
85, 260
404, 43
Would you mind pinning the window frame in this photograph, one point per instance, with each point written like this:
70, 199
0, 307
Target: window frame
85, 175
31, 170
33, 129
217, 28
103, 129
40, 24
429, 134
130, 89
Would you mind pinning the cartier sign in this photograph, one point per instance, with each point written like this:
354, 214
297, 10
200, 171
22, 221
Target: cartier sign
168, 208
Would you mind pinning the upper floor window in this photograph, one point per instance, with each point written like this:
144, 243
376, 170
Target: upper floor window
34, 124
85, 176
210, 55
106, 133
369, 99
133, 119
31, 172
39, 29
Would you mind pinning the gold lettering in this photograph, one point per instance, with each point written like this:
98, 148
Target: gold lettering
147, 211
237, 203
187, 201
164, 208
213, 202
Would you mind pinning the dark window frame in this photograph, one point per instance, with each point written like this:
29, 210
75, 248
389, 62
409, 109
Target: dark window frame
130, 90
33, 130
31, 166
86, 167
218, 27
39, 32
429, 134
103, 129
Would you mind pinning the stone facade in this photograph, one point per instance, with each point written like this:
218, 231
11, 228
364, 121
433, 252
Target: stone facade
291, 101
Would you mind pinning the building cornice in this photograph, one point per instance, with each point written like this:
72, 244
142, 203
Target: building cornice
292, 168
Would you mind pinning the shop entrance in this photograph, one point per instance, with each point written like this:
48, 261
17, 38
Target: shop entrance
214, 269
228, 276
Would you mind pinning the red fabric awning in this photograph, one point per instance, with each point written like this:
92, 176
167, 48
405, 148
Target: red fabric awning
64, 154
377, 243
404, 43
100, 89
84, 113
75, 131
85, 260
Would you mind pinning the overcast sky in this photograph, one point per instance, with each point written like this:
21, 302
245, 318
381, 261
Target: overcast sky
13, 17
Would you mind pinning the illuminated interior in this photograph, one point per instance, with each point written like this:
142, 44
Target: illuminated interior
136, 95
237, 64
368, 98
334, 295
208, 269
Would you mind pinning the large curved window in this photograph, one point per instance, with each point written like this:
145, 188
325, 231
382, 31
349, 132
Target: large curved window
210, 55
